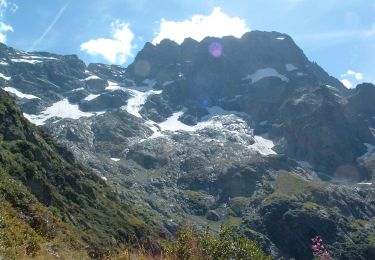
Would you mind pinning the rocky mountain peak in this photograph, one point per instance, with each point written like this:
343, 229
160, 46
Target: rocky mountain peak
255, 50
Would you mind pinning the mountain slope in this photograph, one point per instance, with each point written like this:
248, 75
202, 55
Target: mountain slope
265, 75
52, 197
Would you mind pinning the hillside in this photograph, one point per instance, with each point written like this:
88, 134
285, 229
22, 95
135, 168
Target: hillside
50, 202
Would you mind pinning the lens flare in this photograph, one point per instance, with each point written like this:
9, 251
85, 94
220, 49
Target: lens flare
347, 173
215, 49
142, 68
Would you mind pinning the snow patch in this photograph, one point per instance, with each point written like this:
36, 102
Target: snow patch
263, 145
300, 99
300, 74
91, 97
4, 77
229, 121
60, 109
90, 78
39, 57
264, 73
166, 83
370, 149
219, 118
280, 38
77, 89
3, 63
26, 61
112, 86
115, 159
173, 124
138, 99
19, 93
290, 67
332, 88
365, 183
100, 113
103, 178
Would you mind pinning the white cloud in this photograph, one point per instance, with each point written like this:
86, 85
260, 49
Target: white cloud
347, 83
3, 7
116, 49
350, 74
357, 75
216, 24
5, 28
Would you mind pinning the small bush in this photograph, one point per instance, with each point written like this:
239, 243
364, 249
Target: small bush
239, 205
192, 244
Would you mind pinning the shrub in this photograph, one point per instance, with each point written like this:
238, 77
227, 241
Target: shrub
239, 205
228, 244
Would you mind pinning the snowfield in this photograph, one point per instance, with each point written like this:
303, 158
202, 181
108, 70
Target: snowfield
263, 146
139, 96
90, 78
26, 61
32, 59
112, 86
91, 97
290, 67
370, 150
60, 109
232, 123
265, 73
19, 93
4, 77
138, 99
166, 83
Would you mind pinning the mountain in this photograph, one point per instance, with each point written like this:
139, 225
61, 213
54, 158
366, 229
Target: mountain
241, 131
49, 201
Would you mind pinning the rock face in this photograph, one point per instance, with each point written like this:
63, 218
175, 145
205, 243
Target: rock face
246, 132
267, 76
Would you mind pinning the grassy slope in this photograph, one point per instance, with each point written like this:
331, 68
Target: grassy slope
298, 210
47, 200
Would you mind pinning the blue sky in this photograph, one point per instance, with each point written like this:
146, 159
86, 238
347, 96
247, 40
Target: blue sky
337, 34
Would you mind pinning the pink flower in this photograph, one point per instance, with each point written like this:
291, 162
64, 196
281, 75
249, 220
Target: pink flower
319, 250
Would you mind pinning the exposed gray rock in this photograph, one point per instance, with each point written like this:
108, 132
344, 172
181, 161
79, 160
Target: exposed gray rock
212, 215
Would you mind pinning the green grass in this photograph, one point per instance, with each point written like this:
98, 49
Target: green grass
192, 244
290, 186
197, 202
233, 221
